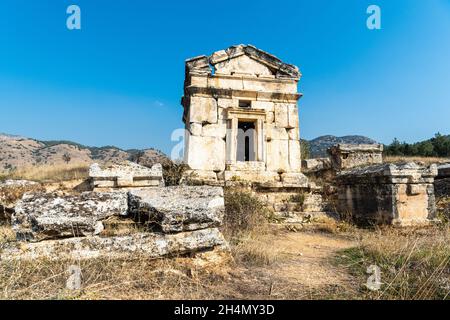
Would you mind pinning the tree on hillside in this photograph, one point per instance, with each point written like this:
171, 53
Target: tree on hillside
66, 157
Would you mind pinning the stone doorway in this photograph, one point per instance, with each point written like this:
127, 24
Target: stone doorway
246, 141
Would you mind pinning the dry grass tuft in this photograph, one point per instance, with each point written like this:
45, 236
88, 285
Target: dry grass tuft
51, 173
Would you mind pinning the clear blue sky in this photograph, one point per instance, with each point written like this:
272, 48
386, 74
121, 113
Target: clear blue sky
119, 80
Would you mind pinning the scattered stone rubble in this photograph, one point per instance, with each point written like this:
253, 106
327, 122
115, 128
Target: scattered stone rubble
392, 194
125, 175
57, 225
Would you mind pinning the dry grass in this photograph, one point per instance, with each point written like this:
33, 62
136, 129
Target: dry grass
424, 160
51, 173
134, 278
414, 263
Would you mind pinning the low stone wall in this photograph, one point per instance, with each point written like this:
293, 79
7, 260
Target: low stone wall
388, 194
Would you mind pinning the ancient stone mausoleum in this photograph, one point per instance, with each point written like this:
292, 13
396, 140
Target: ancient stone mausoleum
241, 117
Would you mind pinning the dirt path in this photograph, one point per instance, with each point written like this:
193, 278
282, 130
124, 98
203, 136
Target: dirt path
304, 270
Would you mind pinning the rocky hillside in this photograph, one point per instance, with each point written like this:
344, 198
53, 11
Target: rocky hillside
20, 152
319, 146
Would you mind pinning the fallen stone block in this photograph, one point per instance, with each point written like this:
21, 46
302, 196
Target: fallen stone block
148, 245
43, 216
388, 194
126, 174
181, 208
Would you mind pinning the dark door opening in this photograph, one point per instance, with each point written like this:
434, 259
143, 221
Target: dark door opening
246, 141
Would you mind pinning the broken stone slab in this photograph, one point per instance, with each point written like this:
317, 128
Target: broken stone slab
43, 216
125, 174
388, 194
148, 245
181, 208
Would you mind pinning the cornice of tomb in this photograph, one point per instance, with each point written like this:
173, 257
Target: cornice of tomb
279, 97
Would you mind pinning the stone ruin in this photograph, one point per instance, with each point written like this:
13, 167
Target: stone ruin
125, 175
164, 221
442, 181
388, 194
346, 156
241, 118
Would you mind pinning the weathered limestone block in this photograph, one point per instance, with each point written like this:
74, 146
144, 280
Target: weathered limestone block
196, 129
346, 156
198, 65
125, 174
203, 110
267, 106
242, 64
317, 164
218, 130
148, 245
390, 194
43, 216
227, 103
276, 133
292, 116
177, 209
294, 179
278, 155
281, 115
293, 134
295, 158
205, 153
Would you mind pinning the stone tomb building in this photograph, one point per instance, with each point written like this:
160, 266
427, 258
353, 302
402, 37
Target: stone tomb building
400, 194
241, 117
346, 156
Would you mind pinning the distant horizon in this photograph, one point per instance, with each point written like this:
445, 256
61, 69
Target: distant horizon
118, 81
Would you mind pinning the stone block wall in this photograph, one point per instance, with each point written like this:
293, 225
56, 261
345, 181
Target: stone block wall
388, 194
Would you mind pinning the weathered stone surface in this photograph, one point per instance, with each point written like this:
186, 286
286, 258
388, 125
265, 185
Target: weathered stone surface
12, 191
317, 164
53, 215
183, 208
346, 156
205, 153
125, 174
203, 110
391, 194
444, 171
149, 245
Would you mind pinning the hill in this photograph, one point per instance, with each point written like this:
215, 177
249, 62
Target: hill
19, 152
318, 146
